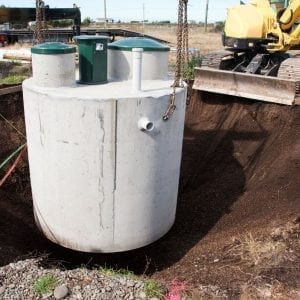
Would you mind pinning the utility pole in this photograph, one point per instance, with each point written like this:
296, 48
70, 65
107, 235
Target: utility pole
144, 18
105, 16
206, 15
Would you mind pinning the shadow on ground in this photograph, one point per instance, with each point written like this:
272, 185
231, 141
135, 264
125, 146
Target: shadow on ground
206, 194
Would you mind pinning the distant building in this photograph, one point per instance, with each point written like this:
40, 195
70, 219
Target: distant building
102, 20
4, 26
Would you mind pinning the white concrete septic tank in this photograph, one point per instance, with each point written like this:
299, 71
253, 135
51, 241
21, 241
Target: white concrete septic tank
104, 166
155, 59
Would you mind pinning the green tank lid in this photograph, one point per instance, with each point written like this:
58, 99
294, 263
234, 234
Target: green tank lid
53, 48
91, 37
138, 42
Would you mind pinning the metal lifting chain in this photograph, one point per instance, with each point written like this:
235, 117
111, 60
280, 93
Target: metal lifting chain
45, 24
38, 24
186, 34
41, 24
182, 55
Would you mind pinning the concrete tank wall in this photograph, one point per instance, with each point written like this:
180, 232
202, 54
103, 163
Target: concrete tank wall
54, 70
100, 183
155, 65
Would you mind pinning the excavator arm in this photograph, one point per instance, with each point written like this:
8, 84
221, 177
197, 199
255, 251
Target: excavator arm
288, 31
288, 17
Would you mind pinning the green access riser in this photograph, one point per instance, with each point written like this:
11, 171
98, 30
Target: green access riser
92, 59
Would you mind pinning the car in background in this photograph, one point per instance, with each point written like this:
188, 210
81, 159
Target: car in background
3, 39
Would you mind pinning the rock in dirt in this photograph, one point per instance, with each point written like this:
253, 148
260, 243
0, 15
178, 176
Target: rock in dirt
2, 289
61, 292
142, 295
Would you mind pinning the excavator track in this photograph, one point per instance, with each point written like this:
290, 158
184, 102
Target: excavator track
215, 59
290, 70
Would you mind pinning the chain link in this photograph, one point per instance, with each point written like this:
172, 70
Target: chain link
186, 33
45, 27
181, 59
41, 26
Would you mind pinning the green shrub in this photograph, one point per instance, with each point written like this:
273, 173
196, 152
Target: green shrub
153, 289
45, 284
115, 272
12, 79
188, 70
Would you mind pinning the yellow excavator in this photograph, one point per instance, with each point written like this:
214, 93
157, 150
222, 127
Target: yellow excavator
256, 62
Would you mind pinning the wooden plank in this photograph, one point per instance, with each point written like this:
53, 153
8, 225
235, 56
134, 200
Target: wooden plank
16, 56
11, 90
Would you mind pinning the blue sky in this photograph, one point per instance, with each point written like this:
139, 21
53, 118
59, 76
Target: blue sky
132, 9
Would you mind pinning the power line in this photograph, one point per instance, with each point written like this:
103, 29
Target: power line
144, 18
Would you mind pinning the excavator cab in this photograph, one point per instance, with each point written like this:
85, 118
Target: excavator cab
279, 5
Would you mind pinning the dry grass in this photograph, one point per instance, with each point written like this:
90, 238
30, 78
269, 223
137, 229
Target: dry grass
208, 292
256, 251
267, 251
268, 291
198, 39
261, 252
270, 263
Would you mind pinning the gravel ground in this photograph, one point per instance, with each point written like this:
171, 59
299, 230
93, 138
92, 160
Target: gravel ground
17, 281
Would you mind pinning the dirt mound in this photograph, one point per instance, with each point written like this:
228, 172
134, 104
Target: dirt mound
246, 151
240, 174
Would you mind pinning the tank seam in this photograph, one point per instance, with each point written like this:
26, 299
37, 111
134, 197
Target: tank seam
115, 170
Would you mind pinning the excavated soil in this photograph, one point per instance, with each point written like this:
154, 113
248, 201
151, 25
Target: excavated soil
240, 174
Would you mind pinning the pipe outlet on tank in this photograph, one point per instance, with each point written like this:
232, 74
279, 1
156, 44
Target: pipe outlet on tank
137, 57
144, 124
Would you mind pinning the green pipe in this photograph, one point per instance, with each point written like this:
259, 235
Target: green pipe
9, 158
